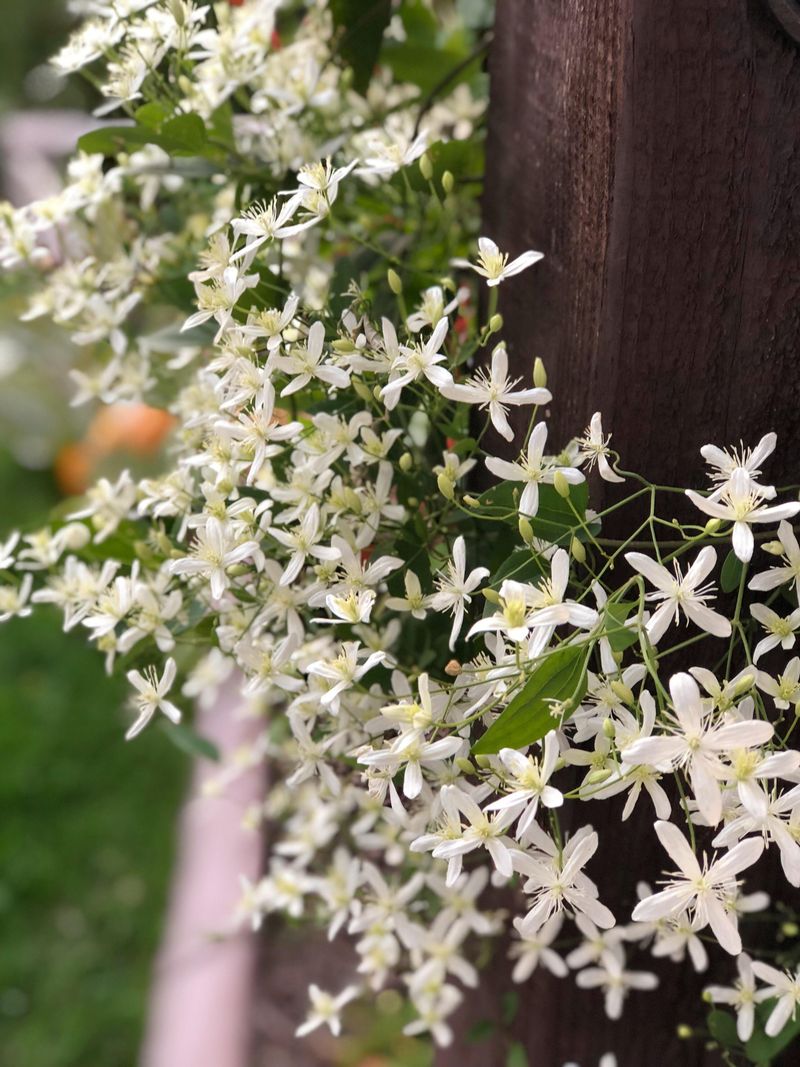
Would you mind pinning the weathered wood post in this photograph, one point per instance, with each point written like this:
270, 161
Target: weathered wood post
651, 148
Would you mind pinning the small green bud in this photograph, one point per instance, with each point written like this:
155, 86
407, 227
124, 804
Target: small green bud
448, 182
496, 323
465, 765
406, 462
362, 389
624, 692
413, 502
797, 710
602, 774
707, 997
608, 728
376, 392
711, 526
446, 487
425, 166
483, 761
491, 595
561, 485
744, 683
790, 929
775, 548
394, 280
525, 529
684, 1031
539, 373
577, 551
472, 501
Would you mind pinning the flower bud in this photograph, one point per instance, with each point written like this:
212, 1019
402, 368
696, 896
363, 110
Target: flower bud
684, 1031
775, 548
790, 929
707, 996
425, 166
712, 526
491, 595
496, 322
744, 683
448, 182
483, 761
465, 765
395, 282
561, 485
525, 529
472, 501
446, 487
609, 729
453, 668
406, 462
624, 692
362, 390
539, 374
413, 502
376, 392
577, 551
602, 774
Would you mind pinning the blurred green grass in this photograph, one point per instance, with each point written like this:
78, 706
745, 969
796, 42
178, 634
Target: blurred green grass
86, 839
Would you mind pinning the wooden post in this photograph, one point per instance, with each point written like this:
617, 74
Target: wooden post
651, 149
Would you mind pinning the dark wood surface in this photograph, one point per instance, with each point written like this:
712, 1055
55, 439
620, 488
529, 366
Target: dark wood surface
651, 149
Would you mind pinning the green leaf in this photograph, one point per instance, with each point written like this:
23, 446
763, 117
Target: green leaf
521, 566
762, 1049
722, 1026
426, 66
190, 742
517, 1056
731, 573
184, 135
361, 24
555, 521
152, 115
561, 676
620, 636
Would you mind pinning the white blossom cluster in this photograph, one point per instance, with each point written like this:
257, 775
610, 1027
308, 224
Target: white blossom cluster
441, 674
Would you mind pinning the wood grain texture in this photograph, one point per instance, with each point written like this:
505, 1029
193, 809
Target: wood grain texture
651, 149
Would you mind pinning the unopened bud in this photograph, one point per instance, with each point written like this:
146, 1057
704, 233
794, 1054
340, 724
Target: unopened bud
608, 728
452, 668
483, 761
491, 595
708, 997
560, 484
406, 462
624, 692
448, 182
465, 766
684, 1031
376, 392
746, 682
413, 502
446, 487
539, 373
790, 929
711, 526
362, 390
496, 323
775, 548
425, 166
395, 282
472, 501
577, 551
602, 774
525, 529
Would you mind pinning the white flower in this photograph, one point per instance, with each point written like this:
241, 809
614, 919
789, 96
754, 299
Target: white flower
14, 599
415, 601
214, 551
493, 264
410, 749
326, 1009
455, 587
303, 541
612, 977
555, 879
742, 504
420, 360
495, 391
532, 469
481, 831
680, 593
703, 889
741, 996
259, 431
432, 308
780, 629
775, 576
152, 690
786, 689
7, 551
783, 985
697, 741
528, 780
724, 463
530, 952
594, 448
304, 362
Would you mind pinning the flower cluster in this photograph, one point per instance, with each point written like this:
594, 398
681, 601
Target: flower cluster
442, 674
